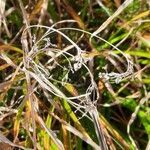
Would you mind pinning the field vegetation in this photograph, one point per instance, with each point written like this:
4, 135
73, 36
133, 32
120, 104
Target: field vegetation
75, 74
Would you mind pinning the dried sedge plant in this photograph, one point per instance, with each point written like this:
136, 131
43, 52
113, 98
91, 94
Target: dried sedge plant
43, 73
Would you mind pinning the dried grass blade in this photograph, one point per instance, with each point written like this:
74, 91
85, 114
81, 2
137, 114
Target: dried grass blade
5, 140
4, 85
36, 10
10, 47
75, 16
108, 21
76, 132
